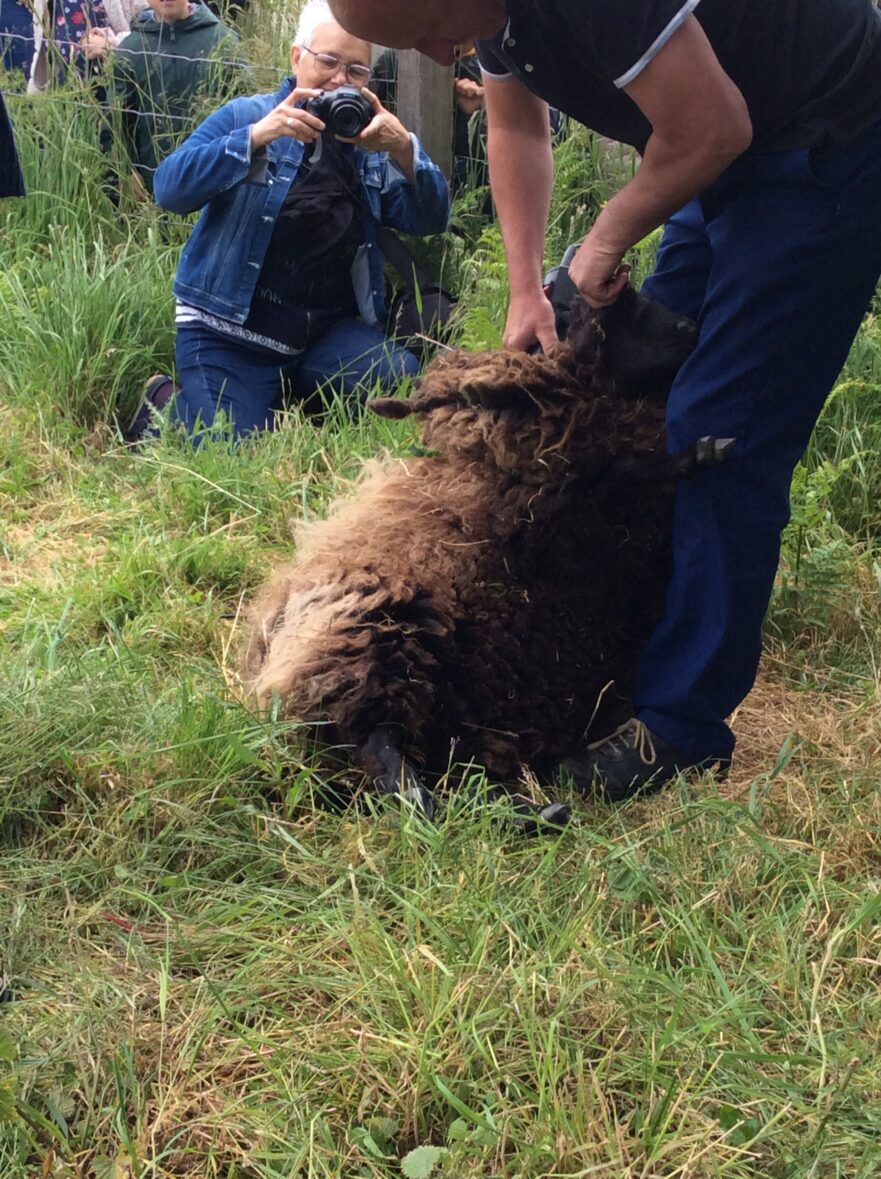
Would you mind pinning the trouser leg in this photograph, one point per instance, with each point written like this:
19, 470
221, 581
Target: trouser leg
796, 253
355, 359
217, 374
682, 267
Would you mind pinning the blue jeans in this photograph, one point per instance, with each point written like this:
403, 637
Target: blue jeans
778, 261
248, 384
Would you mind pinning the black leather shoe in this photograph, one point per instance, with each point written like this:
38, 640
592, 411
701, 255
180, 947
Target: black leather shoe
632, 760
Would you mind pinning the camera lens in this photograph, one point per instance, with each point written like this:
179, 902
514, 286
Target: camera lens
345, 111
348, 112
348, 119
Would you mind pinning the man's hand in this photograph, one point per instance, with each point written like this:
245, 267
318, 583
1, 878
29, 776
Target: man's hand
531, 321
385, 132
288, 119
597, 272
469, 95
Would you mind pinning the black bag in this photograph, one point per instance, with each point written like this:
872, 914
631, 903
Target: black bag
419, 320
419, 315
318, 212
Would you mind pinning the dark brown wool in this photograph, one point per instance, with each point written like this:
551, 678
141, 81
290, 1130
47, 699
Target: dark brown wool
491, 599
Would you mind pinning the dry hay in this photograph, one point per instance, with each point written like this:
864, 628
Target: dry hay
827, 728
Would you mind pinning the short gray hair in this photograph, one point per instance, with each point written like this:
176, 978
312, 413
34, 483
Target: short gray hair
313, 14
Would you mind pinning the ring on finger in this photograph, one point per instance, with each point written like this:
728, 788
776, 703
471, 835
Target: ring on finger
290, 122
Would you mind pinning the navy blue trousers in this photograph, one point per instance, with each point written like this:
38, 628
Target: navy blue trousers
777, 261
249, 384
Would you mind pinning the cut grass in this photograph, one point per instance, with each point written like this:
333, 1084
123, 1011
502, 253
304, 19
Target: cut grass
213, 978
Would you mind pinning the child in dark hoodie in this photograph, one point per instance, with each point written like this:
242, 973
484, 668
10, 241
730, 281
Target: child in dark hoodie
176, 53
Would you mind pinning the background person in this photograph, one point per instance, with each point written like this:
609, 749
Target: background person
17, 37
469, 134
176, 55
61, 29
470, 168
11, 179
759, 126
120, 15
73, 32
280, 287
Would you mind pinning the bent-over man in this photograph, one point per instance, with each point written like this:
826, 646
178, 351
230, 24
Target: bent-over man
759, 127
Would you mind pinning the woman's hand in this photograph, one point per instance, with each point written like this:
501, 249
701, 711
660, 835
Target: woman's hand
288, 119
385, 132
96, 43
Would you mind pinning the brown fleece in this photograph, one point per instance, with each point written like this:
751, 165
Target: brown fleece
491, 599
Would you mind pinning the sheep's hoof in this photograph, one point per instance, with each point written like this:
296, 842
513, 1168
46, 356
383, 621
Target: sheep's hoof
392, 774
706, 452
412, 791
534, 818
710, 451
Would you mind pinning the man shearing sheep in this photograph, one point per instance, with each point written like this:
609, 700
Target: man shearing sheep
758, 123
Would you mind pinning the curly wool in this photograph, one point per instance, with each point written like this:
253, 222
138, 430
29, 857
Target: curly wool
490, 599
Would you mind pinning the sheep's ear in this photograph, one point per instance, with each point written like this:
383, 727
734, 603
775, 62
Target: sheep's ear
390, 407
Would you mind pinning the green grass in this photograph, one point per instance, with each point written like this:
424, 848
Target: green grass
214, 978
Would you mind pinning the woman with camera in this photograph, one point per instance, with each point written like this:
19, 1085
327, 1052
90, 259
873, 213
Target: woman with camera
280, 286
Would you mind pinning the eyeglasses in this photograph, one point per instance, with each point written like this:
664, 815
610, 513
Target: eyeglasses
330, 63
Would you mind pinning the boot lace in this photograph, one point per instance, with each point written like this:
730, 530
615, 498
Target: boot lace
633, 734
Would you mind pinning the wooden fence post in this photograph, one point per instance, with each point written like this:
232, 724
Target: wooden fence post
425, 105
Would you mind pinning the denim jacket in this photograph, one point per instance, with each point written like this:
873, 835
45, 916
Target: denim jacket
241, 195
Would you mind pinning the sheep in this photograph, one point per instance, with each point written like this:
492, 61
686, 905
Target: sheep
486, 601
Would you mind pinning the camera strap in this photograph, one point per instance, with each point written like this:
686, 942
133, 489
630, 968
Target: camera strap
394, 250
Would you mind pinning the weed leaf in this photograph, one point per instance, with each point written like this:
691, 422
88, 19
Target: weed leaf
420, 1163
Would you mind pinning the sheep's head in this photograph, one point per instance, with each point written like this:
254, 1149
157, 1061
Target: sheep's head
542, 418
545, 417
636, 344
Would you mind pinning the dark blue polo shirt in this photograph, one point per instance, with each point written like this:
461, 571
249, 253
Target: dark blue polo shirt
809, 70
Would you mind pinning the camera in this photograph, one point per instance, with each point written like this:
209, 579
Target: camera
344, 111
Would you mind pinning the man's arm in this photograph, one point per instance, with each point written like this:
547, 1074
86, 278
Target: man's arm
522, 176
700, 124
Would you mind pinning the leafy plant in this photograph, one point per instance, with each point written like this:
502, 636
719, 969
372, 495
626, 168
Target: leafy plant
422, 1162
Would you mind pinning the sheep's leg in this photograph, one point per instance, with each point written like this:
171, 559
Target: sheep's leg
706, 452
535, 818
391, 773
